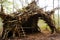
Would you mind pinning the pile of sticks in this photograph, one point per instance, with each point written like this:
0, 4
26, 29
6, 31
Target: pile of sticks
20, 18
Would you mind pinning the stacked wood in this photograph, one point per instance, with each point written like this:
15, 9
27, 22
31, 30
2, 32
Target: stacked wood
26, 19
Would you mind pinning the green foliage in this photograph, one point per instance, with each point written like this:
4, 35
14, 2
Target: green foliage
43, 25
6, 5
3, 1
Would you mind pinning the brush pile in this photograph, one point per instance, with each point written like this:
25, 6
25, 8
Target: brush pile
12, 24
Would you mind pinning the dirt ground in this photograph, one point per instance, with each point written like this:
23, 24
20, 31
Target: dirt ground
40, 36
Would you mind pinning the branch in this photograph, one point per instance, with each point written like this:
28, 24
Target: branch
57, 8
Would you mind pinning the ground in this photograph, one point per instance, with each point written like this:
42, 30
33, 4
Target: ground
40, 36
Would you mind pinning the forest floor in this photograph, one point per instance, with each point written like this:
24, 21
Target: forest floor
40, 36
